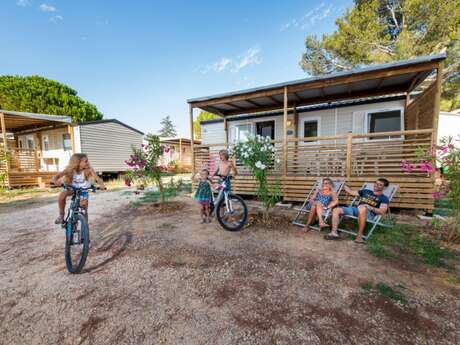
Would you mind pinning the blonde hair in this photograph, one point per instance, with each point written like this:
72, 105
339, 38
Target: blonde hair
74, 166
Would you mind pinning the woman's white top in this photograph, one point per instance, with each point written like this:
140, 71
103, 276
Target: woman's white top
79, 181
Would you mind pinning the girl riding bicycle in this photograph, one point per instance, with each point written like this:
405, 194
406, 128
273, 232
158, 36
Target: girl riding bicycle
79, 174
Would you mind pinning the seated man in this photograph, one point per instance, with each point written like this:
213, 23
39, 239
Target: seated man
370, 204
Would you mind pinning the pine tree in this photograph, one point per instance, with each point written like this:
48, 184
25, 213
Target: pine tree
378, 31
167, 128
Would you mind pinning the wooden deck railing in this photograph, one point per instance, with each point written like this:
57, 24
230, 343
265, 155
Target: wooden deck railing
22, 160
349, 155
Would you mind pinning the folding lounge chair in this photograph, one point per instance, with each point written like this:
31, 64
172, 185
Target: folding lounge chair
305, 209
390, 192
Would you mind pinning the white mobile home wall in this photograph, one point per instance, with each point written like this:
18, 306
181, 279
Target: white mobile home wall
332, 121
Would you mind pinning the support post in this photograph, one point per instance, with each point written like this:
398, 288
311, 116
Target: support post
296, 136
192, 138
437, 101
72, 137
349, 153
180, 150
285, 142
226, 132
5, 148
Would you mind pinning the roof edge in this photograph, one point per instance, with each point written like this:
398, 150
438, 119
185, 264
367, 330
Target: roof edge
358, 70
109, 121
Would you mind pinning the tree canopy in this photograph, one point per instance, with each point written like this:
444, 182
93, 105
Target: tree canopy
379, 31
203, 116
36, 94
167, 128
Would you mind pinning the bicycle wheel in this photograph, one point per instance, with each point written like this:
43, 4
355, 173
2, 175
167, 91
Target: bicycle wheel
236, 216
76, 244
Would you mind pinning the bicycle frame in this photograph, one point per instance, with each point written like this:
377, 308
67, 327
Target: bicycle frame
222, 193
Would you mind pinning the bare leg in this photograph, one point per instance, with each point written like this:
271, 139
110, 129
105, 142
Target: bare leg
311, 216
203, 214
61, 202
206, 213
336, 213
320, 212
84, 204
362, 216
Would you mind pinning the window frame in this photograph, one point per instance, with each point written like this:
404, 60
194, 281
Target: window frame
234, 127
256, 123
30, 138
46, 143
383, 110
63, 142
302, 121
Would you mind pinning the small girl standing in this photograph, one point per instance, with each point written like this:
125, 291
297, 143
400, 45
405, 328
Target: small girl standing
204, 194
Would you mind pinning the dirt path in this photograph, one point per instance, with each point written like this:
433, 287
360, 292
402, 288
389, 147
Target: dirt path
161, 278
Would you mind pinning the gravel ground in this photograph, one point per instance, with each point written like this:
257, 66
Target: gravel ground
159, 277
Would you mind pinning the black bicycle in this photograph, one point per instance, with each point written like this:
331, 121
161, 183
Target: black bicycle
76, 231
231, 210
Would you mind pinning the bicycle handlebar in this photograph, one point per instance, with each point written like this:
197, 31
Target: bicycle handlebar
69, 186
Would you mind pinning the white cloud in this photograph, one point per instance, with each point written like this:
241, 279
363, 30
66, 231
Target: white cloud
56, 19
310, 18
47, 8
234, 65
251, 57
23, 3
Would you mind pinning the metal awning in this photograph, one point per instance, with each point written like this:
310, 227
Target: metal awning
16, 121
383, 79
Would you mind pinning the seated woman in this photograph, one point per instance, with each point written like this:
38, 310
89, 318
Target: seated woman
322, 199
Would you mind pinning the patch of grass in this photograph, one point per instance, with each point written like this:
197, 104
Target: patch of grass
167, 226
367, 286
385, 290
406, 239
389, 292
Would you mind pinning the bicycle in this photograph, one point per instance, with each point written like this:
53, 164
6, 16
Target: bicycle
76, 232
231, 210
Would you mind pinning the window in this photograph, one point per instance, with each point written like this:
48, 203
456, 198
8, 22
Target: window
46, 143
310, 129
30, 143
384, 121
240, 132
21, 144
266, 129
66, 142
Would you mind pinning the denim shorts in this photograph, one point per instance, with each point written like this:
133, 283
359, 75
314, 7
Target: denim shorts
353, 211
84, 194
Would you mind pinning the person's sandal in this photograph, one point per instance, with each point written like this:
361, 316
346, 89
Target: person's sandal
330, 237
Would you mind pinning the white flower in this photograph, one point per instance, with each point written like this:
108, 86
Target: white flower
277, 161
263, 149
263, 166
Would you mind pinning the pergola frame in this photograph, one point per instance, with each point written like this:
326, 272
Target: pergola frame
21, 123
386, 79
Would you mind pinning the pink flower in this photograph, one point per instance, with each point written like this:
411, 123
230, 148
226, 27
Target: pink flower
427, 167
438, 195
407, 167
128, 182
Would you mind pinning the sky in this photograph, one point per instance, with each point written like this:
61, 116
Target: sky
139, 61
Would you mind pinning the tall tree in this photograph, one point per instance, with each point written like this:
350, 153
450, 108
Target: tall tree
203, 116
36, 94
167, 128
378, 31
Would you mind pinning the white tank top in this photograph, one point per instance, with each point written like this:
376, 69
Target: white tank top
79, 181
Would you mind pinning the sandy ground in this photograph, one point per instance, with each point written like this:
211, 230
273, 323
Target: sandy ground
162, 278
